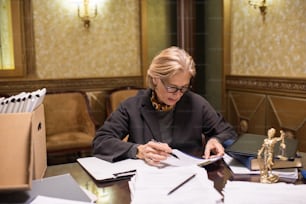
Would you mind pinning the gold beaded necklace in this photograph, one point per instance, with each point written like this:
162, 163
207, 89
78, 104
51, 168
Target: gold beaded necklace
159, 106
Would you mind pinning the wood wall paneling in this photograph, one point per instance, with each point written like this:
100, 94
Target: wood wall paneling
288, 114
249, 111
58, 85
256, 104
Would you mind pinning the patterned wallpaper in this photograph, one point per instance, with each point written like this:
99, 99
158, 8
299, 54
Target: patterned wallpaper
65, 49
276, 47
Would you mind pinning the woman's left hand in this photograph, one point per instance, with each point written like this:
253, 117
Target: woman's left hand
213, 145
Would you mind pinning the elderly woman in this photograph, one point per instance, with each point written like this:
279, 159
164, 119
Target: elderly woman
165, 116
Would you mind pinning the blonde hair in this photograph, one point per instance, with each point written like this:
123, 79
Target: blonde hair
169, 62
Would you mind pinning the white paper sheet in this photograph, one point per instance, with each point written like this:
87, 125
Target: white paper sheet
185, 159
49, 200
151, 186
240, 192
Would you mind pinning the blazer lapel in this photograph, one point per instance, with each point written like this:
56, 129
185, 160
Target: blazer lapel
150, 118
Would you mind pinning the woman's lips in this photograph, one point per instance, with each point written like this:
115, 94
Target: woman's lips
172, 101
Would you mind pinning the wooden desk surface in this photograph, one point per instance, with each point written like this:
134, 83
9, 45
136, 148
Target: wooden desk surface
119, 193
113, 193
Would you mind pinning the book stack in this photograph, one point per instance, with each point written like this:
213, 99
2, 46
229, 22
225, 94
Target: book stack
246, 147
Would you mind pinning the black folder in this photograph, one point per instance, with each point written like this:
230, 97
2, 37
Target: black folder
249, 144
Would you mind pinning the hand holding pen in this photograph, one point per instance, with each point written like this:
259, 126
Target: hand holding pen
154, 152
170, 153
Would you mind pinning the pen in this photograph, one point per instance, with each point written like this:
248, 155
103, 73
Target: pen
172, 154
124, 173
181, 184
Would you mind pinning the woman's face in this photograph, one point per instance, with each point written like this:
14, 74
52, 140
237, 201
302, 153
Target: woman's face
169, 91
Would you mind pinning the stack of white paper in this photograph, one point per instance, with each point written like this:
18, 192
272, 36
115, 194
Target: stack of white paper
151, 186
238, 168
236, 192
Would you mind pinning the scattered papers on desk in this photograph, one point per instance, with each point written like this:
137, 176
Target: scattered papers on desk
50, 200
102, 170
238, 168
151, 186
241, 192
185, 159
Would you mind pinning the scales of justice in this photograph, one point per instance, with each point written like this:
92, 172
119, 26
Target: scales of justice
267, 160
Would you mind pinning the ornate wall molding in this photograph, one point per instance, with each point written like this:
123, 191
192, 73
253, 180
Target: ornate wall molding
57, 85
287, 86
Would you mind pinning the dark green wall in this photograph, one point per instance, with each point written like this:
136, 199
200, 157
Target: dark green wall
213, 52
161, 24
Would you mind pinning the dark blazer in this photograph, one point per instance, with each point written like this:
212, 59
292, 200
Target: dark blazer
193, 117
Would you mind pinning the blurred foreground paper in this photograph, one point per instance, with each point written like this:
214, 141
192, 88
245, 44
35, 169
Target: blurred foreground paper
151, 186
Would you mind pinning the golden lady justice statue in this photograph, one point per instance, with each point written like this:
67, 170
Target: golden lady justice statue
267, 148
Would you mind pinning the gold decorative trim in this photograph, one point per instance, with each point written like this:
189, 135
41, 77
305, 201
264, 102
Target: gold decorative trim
267, 84
57, 85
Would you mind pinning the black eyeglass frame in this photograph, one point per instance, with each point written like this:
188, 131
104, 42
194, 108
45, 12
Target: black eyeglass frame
175, 89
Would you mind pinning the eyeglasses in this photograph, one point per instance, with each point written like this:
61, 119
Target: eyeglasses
174, 89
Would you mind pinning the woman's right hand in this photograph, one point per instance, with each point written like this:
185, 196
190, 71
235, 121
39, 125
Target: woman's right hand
153, 152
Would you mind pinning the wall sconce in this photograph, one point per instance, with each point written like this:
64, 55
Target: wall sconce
87, 11
261, 4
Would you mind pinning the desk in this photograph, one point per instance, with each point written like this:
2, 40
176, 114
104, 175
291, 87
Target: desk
112, 193
118, 192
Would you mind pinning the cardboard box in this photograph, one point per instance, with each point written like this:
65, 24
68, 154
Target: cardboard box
23, 154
